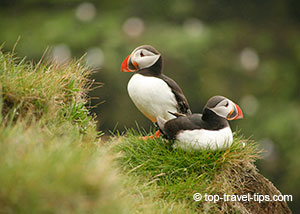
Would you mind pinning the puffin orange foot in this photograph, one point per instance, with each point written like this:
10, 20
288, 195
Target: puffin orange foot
156, 135
145, 138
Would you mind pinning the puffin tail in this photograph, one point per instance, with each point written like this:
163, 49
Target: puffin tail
161, 123
177, 114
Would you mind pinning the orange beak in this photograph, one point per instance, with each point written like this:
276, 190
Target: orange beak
236, 113
240, 113
124, 66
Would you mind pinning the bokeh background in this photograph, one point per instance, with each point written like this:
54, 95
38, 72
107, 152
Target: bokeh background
248, 51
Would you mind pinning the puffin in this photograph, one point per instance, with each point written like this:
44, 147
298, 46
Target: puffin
153, 93
209, 130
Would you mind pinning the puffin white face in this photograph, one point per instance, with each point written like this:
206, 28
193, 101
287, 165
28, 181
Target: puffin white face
227, 109
142, 57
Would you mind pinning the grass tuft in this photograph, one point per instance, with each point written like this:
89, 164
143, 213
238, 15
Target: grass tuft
138, 157
55, 91
178, 174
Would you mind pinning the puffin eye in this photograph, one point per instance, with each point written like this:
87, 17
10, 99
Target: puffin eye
226, 105
142, 54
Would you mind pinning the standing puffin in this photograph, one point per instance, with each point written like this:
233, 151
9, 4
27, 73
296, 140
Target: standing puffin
153, 93
209, 130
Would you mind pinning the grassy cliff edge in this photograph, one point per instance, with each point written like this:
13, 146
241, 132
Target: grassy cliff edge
179, 174
53, 160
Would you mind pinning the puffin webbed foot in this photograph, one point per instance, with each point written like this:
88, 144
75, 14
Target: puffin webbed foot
156, 135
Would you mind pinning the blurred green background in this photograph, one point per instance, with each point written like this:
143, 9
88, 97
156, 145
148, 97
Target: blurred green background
248, 51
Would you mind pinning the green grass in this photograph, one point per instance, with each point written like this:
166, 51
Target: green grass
48, 171
178, 174
56, 92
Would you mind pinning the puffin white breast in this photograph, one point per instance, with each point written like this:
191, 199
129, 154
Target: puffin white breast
204, 139
152, 96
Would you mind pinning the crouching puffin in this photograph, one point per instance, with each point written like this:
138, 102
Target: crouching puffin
209, 130
153, 93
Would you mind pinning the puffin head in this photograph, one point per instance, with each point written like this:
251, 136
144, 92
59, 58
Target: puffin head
142, 57
224, 108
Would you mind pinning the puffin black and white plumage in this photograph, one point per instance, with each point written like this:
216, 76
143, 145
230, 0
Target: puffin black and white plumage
153, 93
209, 130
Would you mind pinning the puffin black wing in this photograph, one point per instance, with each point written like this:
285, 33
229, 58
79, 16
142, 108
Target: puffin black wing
172, 127
183, 105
